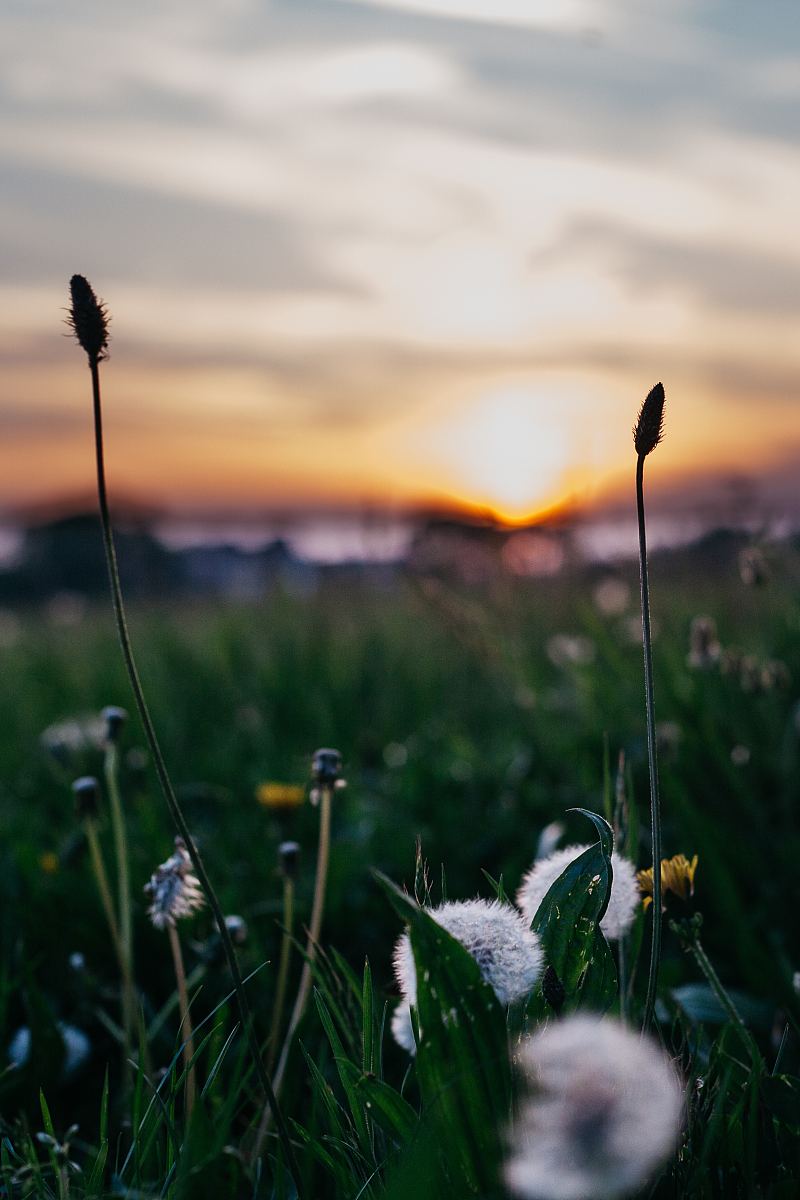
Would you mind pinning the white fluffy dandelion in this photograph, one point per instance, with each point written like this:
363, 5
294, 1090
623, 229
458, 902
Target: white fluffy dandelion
497, 937
174, 889
604, 1112
624, 890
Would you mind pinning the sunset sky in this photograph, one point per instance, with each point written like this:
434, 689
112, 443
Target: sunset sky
402, 251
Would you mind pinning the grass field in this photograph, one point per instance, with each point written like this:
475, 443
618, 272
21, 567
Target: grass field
470, 717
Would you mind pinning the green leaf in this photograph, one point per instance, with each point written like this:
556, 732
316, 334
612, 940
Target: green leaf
567, 922
386, 1106
462, 1058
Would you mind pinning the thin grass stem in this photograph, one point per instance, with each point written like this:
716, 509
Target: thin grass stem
187, 1036
166, 784
120, 835
103, 886
655, 810
314, 930
282, 985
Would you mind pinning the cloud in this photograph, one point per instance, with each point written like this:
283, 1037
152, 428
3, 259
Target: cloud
548, 14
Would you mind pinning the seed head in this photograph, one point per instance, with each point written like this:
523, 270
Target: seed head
88, 319
174, 889
649, 428
326, 766
508, 953
86, 791
288, 859
622, 903
604, 1112
114, 717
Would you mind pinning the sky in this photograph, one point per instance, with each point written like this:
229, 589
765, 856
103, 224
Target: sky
401, 252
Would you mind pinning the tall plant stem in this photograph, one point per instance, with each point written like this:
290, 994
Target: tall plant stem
123, 891
314, 930
103, 887
655, 809
187, 1035
169, 793
283, 971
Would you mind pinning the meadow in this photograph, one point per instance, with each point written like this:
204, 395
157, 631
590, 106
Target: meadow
468, 716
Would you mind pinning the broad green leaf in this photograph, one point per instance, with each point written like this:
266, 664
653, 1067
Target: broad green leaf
462, 1058
567, 921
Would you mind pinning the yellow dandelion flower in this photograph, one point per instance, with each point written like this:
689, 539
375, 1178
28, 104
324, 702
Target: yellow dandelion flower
280, 795
677, 876
48, 862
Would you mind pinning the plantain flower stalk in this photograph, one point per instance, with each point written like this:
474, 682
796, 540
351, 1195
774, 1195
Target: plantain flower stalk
647, 433
88, 319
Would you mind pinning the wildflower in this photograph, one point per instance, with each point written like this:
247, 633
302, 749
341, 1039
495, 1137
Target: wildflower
622, 902
497, 937
174, 889
740, 755
677, 876
704, 647
48, 861
280, 795
604, 1113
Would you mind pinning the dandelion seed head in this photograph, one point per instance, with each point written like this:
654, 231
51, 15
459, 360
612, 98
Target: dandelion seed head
507, 952
174, 889
604, 1112
88, 319
624, 890
402, 1029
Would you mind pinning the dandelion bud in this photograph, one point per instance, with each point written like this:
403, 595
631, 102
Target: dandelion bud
649, 428
88, 319
237, 928
86, 791
288, 859
326, 767
174, 889
114, 718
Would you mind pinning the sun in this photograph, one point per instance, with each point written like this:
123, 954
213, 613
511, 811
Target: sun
506, 451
